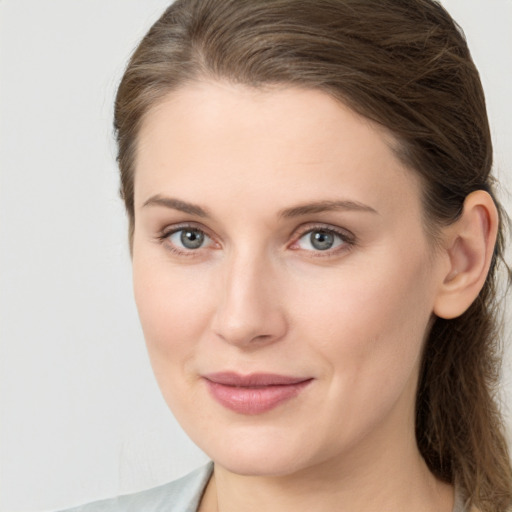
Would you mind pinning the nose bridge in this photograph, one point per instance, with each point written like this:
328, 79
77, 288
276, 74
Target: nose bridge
249, 310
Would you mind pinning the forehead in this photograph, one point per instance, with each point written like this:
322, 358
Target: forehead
258, 140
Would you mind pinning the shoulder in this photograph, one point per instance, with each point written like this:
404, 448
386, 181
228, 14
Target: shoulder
182, 495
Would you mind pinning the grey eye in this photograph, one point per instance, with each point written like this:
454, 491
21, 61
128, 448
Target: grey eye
320, 240
188, 238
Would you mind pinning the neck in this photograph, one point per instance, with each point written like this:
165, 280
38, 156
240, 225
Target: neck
324, 490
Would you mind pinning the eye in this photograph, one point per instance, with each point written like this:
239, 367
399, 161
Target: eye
320, 240
188, 238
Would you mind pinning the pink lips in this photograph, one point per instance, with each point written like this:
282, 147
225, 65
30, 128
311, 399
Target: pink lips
255, 393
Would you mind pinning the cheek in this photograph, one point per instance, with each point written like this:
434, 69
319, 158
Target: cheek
369, 323
173, 306
368, 330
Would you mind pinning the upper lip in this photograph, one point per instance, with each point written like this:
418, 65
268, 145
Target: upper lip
253, 379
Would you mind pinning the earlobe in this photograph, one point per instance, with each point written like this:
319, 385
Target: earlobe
469, 247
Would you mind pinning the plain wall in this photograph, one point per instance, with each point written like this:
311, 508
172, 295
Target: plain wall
81, 416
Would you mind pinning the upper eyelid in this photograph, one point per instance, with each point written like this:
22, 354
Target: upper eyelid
173, 228
342, 232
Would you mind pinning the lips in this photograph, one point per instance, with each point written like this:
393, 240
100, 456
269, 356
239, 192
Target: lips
255, 393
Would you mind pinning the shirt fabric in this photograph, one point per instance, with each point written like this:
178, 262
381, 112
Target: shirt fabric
182, 495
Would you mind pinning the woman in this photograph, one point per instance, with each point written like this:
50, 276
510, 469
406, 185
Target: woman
315, 245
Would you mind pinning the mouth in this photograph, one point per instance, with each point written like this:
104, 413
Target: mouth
255, 393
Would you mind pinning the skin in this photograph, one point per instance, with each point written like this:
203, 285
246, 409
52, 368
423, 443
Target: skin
258, 297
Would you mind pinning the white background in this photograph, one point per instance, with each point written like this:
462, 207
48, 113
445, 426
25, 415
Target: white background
81, 417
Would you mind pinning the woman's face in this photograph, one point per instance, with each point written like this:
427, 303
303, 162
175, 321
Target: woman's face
282, 274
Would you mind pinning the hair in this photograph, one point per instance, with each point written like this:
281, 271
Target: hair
405, 65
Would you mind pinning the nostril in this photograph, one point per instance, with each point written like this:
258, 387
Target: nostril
247, 335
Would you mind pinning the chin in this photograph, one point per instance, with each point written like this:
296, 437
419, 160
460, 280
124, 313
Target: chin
260, 464
266, 452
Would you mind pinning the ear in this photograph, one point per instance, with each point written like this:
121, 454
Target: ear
469, 245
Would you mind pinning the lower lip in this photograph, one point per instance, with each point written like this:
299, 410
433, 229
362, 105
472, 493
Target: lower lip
254, 400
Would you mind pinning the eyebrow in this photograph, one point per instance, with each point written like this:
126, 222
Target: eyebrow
295, 211
326, 206
176, 204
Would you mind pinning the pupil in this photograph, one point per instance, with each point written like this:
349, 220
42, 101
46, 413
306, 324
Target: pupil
192, 239
322, 240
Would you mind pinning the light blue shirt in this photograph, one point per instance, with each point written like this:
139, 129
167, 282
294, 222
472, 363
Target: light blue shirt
182, 495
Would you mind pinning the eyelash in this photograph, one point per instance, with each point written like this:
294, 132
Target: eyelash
348, 239
163, 238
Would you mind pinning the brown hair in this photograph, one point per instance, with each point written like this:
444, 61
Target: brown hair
404, 64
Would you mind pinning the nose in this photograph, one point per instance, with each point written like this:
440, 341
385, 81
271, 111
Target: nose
249, 313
